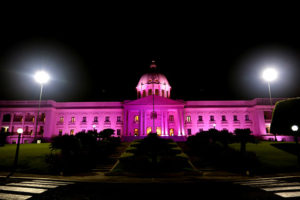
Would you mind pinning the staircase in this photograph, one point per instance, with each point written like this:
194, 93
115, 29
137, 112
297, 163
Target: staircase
107, 165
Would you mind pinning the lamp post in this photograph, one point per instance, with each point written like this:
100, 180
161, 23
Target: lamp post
269, 75
295, 129
40, 77
19, 131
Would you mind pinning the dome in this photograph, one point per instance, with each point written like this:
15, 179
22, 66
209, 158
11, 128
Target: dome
153, 81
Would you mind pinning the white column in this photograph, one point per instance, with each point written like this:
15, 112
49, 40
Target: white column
182, 122
162, 123
141, 122
179, 123
166, 124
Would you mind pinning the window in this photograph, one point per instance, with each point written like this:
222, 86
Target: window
188, 119
171, 132
149, 130
61, 119
118, 132
60, 132
72, 132
41, 130
136, 118
156, 92
149, 92
6, 118
171, 118
200, 130
223, 118
144, 93
235, 118
247, 118
118, 118
136, 132
200, 119
212, 118
163, 93
95, 119
267, 115
73, 119
189, 131
107, 119
167, 94
83, 119
139, 94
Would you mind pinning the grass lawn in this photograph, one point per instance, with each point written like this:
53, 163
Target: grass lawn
271, 158
31, 157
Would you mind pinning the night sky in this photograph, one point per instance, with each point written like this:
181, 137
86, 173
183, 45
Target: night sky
92, 55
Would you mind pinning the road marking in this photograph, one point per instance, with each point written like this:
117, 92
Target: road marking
14, 196
288, 194
43, 183
54, 182
33, 185
281, 188
22, 189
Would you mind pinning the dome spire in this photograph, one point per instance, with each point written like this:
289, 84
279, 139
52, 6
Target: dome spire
153, 65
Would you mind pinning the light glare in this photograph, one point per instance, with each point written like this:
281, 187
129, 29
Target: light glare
294, 128
270, 74
41, 77
20, 130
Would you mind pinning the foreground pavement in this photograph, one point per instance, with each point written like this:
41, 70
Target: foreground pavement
276, 187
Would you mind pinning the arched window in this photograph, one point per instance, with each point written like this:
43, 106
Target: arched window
136, 132
163, 93
144, 93
149, 92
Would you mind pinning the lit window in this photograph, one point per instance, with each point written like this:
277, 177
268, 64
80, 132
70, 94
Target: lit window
171, 132
149, 130
73, 119
72, 132
171, 118
61, 119
136, 118
136, 132
188, 118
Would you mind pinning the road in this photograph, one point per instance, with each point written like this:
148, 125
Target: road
255, 188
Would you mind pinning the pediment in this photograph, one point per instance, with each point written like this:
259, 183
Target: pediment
157, 101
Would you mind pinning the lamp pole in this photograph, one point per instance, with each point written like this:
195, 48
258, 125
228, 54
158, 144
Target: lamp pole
269, 75
40, 77
19, 131
295, 129
39, 107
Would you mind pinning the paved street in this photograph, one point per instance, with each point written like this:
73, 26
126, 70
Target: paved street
254, 188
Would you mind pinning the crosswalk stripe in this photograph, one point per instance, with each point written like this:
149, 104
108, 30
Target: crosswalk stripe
23, 189
281, 188
7, 196
288, 194
33, 185
43, 183
59, 182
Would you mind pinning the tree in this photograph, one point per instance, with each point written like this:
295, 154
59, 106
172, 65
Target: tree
285, 115
244, 136
106, 133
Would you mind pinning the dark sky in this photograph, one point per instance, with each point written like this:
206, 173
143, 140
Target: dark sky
99, 54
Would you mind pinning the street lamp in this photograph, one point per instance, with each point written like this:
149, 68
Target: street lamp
19, 131
94, 127
295, 129
40, 77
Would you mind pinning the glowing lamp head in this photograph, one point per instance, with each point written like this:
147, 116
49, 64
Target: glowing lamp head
41, 77
20, 131
94, 126
294, 128
270, 74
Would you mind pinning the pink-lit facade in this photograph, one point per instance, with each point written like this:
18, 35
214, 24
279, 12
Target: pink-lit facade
135, 118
